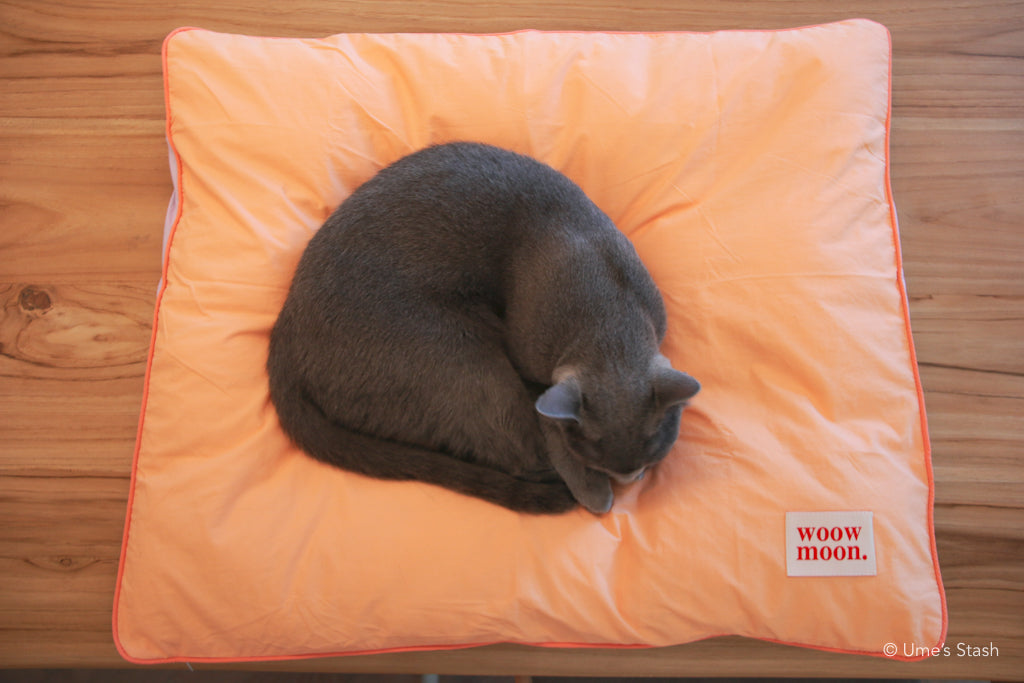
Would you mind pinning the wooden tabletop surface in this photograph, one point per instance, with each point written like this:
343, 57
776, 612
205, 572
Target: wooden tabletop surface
83, 189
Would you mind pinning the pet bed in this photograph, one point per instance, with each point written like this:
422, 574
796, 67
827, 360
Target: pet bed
750, 170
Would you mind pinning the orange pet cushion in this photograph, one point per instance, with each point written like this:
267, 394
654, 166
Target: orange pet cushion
750, 169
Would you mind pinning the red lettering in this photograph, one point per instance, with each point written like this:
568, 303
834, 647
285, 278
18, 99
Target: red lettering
822, 534
840, 553
853, 533
806, 532
807, 552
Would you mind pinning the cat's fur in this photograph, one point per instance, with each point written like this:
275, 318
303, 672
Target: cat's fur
469, 318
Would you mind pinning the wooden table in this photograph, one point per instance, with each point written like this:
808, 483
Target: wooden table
83, 188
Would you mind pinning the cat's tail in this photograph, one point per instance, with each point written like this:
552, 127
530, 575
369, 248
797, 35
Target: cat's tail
325, 440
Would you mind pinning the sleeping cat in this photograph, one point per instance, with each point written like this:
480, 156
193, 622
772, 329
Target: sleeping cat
469, 318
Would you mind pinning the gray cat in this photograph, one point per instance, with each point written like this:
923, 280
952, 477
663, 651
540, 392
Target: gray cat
469, 318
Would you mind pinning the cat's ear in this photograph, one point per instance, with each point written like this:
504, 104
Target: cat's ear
672, 387
562, 400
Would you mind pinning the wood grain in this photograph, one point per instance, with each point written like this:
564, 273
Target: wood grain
84, 187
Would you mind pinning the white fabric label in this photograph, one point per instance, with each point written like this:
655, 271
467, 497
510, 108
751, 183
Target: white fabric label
830, 544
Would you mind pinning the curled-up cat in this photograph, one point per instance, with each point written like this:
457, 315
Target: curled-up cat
469, 318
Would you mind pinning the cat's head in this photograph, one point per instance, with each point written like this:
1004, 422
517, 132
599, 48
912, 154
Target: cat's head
619, 424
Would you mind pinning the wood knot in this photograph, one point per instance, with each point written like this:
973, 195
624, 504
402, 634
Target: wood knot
62, 563
32, 299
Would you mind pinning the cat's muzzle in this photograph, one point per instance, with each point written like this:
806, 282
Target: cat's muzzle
636, 475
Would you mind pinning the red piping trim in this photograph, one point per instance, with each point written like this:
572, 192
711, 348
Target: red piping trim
152, 346
904, 302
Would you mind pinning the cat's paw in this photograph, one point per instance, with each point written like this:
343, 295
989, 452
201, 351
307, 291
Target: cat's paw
597, 496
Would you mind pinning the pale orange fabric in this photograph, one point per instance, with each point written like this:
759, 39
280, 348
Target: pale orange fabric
750, 169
